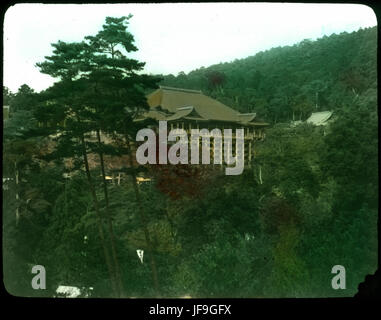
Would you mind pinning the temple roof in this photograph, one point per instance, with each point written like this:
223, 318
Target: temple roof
170, 104
319, 118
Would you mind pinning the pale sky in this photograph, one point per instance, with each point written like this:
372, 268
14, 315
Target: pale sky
170, 37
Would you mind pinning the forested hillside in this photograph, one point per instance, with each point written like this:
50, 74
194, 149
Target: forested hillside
308, 202
290, 82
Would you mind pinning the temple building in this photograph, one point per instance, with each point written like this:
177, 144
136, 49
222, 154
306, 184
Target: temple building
322, 118
191, 109
5, 113
183, 109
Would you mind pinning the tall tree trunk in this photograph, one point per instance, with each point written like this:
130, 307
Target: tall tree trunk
17, 194
316, 102
143, 218
110, 267
108, 217
260, 175
99, 218
171, 224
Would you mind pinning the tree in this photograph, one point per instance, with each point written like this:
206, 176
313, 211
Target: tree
69, 64
216, 80
100, 91
349, 160
26, 202
114, 79
7, 96
24, 99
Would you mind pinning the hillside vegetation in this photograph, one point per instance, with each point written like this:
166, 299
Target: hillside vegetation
308, 202
290, 82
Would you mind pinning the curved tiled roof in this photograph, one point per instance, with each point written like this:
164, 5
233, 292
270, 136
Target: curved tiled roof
246, 117
319, 118
192, 105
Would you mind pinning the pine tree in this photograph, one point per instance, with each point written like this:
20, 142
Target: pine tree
100, 91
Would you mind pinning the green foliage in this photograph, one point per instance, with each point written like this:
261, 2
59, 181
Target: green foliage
290, 272
308, 202
288, 83
350, 155
220, 269
24, 100
288, 162
7, 96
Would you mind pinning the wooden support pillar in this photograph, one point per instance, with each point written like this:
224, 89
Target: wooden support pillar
17, 195
212, 150
250, 157
260, 175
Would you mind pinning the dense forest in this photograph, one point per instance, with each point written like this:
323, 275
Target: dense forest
308, 202
288, 83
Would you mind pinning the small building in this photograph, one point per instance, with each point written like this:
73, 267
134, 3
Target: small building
68, 291
72, 292
320, 118
5, 112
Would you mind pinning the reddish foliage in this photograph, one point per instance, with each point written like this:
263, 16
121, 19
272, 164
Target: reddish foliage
178, 181
215, 78
278, 212
181, 180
